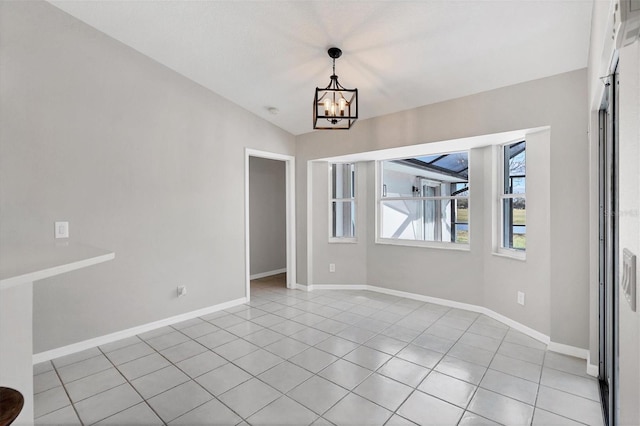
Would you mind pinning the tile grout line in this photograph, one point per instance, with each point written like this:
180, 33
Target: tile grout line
73, 406
483, 376
132, 387
349, 391
377, 305
535, 405
352, 391
415, 388
103, 353
540, 385
502, 340
171, 363
393, 412
407, 344
445, 354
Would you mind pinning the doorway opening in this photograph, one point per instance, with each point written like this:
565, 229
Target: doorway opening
269, 220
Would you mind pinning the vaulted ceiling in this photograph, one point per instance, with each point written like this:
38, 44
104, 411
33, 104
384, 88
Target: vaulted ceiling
399, 54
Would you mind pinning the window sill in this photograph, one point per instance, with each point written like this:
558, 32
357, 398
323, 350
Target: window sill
343, 240
511, 254
424, 244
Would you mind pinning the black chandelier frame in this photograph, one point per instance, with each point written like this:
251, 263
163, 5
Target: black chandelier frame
334, 117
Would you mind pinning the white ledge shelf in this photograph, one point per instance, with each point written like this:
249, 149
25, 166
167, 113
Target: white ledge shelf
20, 267
26, 264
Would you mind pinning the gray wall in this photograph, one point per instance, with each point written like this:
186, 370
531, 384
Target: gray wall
447, 274
504, 277
349, 258
555, 275
138, 159
476, 276
133, 154
267, 215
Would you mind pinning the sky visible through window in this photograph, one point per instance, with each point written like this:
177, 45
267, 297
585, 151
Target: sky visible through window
517, 167
457, 162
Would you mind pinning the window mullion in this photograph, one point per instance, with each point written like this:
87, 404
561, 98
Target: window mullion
505, 196
444, 197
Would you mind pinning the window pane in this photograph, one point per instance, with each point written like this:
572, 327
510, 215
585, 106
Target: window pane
428, 158
462, 211
517, 185
432, 219
398, 181
461, 221
343, 180
457, 162
423, 220
408, 177
515, 168
441, 176
399, 219
514, 220
460, 189
343, 219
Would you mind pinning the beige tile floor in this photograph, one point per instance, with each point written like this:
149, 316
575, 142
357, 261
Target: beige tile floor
324, 357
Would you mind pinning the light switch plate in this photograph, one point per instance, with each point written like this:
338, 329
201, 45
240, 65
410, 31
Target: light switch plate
61, 229
628, 281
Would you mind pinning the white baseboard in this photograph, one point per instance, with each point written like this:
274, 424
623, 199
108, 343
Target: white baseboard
445, 302
108, 338
312, 287
97, 341
568, 350
592, 369
541, 337
339, 287
469, 307
267, 274
535, 334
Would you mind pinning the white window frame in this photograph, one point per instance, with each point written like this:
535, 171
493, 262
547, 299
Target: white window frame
447, 245
500, 249
344, 240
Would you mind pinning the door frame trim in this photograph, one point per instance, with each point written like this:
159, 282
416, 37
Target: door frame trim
290, 189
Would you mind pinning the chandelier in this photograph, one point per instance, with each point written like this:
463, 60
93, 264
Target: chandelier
335, 107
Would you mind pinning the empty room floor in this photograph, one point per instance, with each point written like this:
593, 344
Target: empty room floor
321, 357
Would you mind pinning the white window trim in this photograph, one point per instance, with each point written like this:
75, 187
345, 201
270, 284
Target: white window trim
342, 240
442, 245
498, 249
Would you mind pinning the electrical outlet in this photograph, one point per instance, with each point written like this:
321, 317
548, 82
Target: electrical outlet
182, 290
332, 267
61, 229
521, 298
